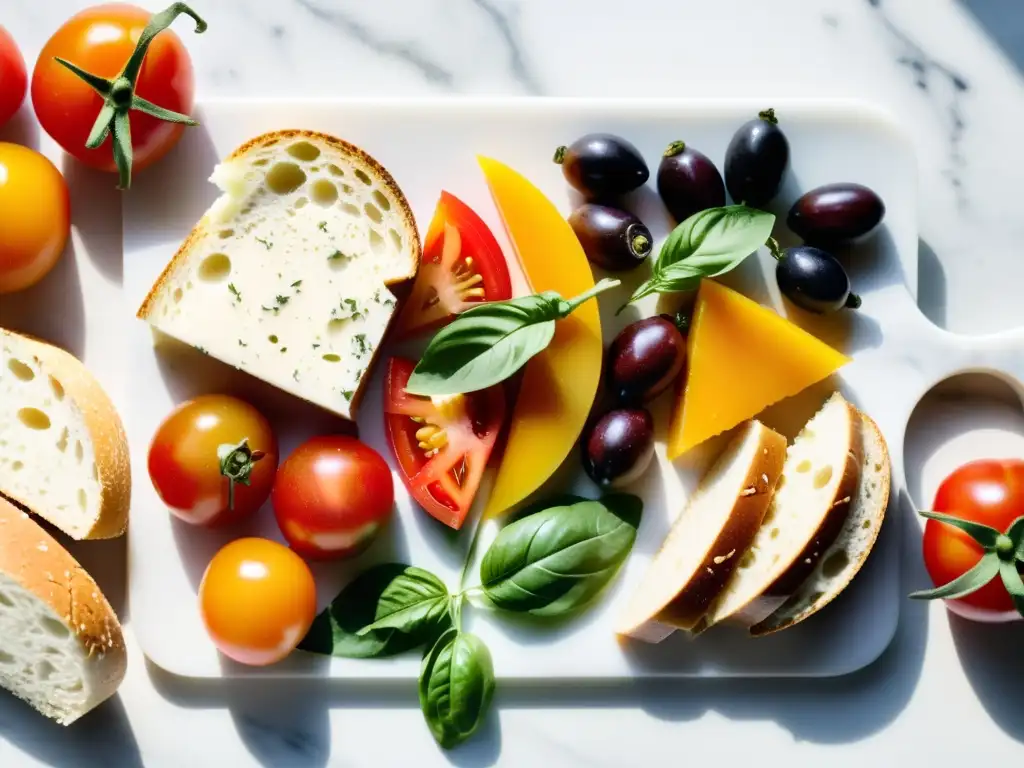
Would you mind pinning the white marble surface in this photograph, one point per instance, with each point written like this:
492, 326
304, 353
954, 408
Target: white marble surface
926, 60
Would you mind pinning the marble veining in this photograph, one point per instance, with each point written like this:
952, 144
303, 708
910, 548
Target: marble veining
930, 63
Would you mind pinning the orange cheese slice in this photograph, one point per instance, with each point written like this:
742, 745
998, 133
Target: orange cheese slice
560, 383
742, 358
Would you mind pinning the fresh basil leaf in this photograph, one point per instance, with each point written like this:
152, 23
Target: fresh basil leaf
557, 560
488, 343
413, 598
456, 687
335, 630
709, 243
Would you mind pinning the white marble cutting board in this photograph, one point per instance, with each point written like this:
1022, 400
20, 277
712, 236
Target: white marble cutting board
430, 145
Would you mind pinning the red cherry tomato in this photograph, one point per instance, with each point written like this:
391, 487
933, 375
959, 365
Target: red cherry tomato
332, 496
988, 492
13, 77
257, 600
198, 450
442, 447
462, 265
100, 40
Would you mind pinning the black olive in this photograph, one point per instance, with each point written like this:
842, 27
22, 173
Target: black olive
836, 213
688, 181
612, 238
756, 161
602, 166
619, 447
813, 279
644, 359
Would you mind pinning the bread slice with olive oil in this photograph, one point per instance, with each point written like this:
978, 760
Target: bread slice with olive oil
809, 510
847, 555
289, 274
704, 544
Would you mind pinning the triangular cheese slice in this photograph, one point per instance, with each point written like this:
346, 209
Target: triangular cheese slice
742, 358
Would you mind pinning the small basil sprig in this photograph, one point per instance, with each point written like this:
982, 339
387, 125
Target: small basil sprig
709, 243
456, 687
490, 342
556, 561
1003, 553
343, 628
567, 550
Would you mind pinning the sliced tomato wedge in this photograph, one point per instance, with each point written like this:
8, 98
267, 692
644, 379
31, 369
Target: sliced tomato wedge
442, 446
462, 265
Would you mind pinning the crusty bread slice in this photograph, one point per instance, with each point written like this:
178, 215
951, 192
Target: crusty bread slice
807, 512
847, 555
63, 451
61, 647
705, 542
289, 275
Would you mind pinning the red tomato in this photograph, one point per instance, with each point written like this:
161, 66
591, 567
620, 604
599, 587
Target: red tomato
101, 40
13, 78
35, 217
442, 447
198, 449
462, 265
332, 496
988, 492
257, 600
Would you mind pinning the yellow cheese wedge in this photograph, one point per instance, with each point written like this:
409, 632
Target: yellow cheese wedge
560, 383
742, 358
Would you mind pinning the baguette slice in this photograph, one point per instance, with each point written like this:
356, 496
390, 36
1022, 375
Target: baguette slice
63, 450
289, 275
844, 559
808, 511
703, 546
61, 647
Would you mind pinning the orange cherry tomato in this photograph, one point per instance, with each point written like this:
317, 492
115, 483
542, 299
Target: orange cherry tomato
35, 217
13, 78
100, 40
190, 467
987, 492
257, 600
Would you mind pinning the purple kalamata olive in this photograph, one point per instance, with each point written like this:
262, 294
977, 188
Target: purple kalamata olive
756, 160
836, 213
602, 166
688, 181
613, 239
619, 447
644, 359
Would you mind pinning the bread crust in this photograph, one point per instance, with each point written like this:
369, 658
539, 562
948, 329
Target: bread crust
269, 139
693, 597
34, 559
693, 601
110, 443
868, 428
399, 285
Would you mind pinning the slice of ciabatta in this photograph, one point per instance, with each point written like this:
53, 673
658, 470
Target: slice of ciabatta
847, 555
63, 450
809, 508
61, 647
706, 540
288, 275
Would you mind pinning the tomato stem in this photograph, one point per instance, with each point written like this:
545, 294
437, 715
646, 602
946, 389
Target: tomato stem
119, 94
236, 464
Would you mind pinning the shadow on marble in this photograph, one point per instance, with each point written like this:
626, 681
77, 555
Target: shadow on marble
96, 215
22, 128
103, 738
31, 310
932, 285
992, 660
1003, 20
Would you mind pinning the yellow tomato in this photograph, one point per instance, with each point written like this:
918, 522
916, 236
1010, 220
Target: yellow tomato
35, 217
257, 600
